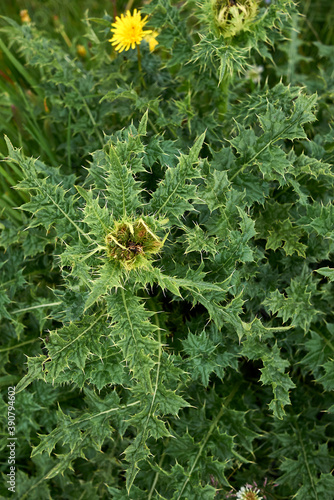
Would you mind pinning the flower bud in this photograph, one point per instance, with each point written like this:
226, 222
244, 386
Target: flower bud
234, 16
81, 50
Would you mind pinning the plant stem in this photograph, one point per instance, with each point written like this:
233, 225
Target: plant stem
155, 480
156, 131
140, 68
19, 311
5, 349
129, 5
114, 8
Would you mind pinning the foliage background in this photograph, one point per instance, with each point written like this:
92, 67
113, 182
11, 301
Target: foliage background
234, 318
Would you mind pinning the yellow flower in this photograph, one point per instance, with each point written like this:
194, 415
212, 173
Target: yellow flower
81, 50
152, 40
128, 31
25, 18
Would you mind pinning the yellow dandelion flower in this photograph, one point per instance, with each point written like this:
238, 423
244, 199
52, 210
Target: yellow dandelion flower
152, 40
25, 18
128, 31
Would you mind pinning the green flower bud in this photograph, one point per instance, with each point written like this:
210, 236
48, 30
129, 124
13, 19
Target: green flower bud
234, 16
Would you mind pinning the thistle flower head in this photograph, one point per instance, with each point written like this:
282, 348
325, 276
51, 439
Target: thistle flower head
234, 16
132, 243
248, 492
128, 31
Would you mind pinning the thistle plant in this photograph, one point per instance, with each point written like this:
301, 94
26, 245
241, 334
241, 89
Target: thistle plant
167, 241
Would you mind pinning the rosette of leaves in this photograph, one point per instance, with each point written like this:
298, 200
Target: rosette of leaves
149, 305
110, 236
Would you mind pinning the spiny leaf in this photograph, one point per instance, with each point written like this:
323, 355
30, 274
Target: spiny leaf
97, 218
326, 271
297, 305
172, 196
110, 275
35, 372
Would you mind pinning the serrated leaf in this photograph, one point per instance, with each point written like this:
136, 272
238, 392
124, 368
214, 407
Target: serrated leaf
134, 454
286, 235
143, 124
98, 218
326, 271
274, 373
296, 305
110, 275
172, 196
201, 360
4, 301
122, 187
35, 372
73, 344
214, 195
327, 380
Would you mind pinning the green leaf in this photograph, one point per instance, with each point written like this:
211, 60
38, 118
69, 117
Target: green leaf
143, 124
134, 333
35, 372
273, 373
135, 454
198, 241
300, 473
122, 187
327, 380
320, 218
326, 271
319, 355
171, 198
216, 187
97, 218
296, 305
202, 362
73, 344
4, 301
136, 493
92, 428
289, 234
110, 275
